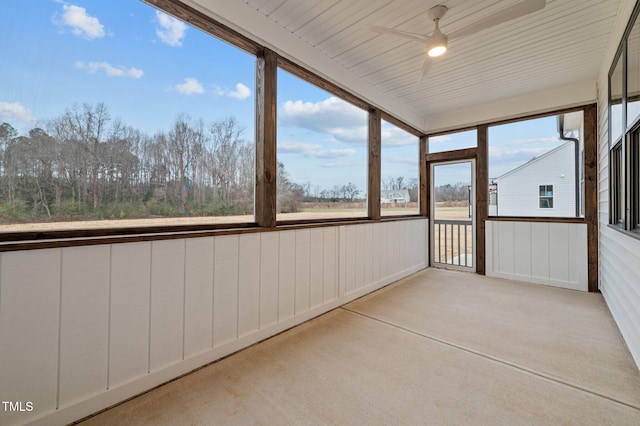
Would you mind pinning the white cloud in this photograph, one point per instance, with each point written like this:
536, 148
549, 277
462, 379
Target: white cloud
241, 92
345, 122
439, 139
523, 147
11, 112
82, 25
109, 70
345, 165
508, 155
394, 136
170, 31
309, 150
409, 161
191, 86
219, 91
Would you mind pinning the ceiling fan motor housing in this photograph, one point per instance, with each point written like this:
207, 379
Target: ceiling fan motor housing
437, 12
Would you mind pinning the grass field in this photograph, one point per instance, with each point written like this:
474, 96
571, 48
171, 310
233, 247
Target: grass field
449, 241
307, 213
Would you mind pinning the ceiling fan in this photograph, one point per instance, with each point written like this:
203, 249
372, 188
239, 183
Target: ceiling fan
437, 43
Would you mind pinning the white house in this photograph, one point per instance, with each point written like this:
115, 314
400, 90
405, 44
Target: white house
543, 186
546, 185
394, 196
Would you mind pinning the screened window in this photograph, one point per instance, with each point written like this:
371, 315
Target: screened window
321, 153
400, 173
121, 116
453, 141
525, 153
546, 196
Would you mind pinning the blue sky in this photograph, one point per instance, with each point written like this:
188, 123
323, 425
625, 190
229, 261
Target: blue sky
510, 145
148, 68
323, 140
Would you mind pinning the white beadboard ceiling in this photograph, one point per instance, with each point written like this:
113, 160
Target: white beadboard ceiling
561, 46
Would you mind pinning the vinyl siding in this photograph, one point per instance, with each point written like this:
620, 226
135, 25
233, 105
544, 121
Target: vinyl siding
619, 254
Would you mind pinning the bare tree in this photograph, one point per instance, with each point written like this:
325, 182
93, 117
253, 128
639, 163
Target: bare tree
7, 137
88, 165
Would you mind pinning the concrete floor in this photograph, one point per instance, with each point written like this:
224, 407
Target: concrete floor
439, 347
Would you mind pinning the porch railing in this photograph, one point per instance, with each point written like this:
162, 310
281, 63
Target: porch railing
453, 242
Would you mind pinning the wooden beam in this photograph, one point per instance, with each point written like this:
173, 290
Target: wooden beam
591, 192
425, 191
199, 20
482, 197
375, 146
266, 166
401, 124
458, 154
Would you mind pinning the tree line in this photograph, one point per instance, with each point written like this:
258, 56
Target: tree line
455, 192
84, 164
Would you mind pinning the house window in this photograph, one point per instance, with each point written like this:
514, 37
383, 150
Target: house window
616, 107
546, 196
617, 193
624, 131
635, 167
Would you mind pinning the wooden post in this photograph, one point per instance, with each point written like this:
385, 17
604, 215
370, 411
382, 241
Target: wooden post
266, 166
482, 197
424, 177
591, 192
375, 146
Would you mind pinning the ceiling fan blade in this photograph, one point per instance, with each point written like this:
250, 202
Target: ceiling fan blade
516, 11
410, 36
425, 68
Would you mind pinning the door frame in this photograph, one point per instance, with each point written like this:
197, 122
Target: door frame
432, 199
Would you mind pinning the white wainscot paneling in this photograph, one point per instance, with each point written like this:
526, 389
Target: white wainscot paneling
303, 249
330, 264
350, 258
167, 302
316, 267
538, 252
269, 262
368, 254
85, 327
377, 252
29, 309
198, 302
286, 275
540, 258
84, 321
360, 256
225, 289
130, 303
249, 284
